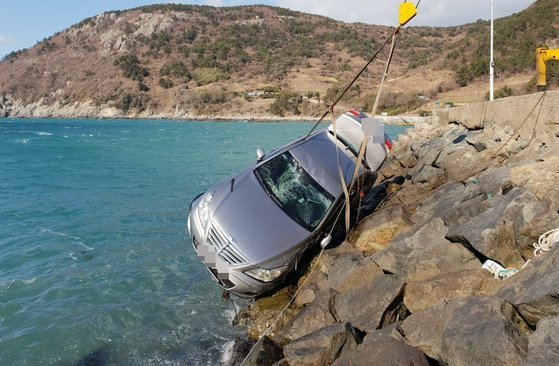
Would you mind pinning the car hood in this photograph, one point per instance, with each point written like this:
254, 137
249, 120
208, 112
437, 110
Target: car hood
260, 229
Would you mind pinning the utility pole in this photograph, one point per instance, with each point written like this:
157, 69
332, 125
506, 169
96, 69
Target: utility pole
491, 63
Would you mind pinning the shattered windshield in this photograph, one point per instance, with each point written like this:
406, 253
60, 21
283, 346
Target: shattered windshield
294, 190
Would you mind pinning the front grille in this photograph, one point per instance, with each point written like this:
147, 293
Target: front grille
224, 246
195, 242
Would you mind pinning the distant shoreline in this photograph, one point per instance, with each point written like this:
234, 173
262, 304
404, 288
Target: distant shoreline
291, 119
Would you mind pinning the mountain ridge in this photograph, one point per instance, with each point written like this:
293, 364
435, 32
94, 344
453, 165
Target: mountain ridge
181, 61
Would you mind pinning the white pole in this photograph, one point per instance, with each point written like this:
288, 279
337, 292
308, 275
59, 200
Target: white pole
491, 64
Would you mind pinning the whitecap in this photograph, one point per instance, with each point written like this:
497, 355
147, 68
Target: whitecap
227, 353
41, 133
29, 281
75, 239
230, 314
22, 141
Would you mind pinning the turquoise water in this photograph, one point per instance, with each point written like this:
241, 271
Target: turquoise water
94, 257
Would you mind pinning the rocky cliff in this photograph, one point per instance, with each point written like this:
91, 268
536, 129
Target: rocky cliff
408, 287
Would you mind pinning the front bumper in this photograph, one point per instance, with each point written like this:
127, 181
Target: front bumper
222, 259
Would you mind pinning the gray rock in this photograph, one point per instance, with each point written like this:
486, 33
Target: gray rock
489, 235
469, 331
458, 159
454, 203
485, 331
265, 352
425, 254
345, 276
406, 158
317, 315
476, 144
423, 330
431, 175
543, 348
322, 346
492, 181
375, 304
533, 290
386, 351
422, 295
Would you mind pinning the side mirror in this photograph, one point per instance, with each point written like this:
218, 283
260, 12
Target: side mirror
260, 154
324, 242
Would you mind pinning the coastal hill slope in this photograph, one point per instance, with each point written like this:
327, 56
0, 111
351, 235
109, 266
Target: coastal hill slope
188, 61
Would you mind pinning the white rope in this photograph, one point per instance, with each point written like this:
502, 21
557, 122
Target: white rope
323, 247
546, 241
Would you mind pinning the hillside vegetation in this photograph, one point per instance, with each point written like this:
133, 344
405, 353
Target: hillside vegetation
185, 60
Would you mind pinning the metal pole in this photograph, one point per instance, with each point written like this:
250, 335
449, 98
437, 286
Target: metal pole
491, 63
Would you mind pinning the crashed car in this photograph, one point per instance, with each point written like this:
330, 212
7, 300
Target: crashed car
250, 231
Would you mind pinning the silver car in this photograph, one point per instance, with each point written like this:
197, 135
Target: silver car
251, 230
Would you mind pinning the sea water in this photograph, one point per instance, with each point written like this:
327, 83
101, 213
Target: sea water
95, 261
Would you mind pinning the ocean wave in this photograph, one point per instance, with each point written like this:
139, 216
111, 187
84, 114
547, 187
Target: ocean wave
22, 141
42, 133
18, 282
74, 239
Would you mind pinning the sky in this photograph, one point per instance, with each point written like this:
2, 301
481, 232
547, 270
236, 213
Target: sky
25, 22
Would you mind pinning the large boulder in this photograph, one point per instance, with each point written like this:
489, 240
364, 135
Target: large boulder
533, 290
434, 176
543, 348
489, 235
458, 159
316, 315
322, 346
454, 203
378, 230
485, 331
422, 295
375, 304
425, 254
349, 273
424, 330
469, 331
383, 350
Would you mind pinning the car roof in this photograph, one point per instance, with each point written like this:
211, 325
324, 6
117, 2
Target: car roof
317, 155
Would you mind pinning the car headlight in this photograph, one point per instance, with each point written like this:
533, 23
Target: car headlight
204, 209
266, 275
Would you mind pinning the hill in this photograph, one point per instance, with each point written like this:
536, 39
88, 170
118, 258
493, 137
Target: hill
200, 61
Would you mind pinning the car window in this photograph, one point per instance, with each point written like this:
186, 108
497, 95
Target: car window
294, 190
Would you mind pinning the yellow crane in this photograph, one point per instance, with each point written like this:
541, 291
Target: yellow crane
544, 54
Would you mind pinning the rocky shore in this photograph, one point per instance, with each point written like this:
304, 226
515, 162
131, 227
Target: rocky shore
407, 287
10, 108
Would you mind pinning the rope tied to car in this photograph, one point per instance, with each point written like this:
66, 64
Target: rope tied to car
406, 14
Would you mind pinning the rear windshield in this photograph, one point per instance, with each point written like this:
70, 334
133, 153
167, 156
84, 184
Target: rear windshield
294, 190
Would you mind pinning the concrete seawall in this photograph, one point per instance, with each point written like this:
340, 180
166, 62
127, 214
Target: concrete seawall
534, 113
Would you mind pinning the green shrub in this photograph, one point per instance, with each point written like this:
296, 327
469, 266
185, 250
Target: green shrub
165, 83
131, 68
286, 102
205, 75
175, 69
133, 101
